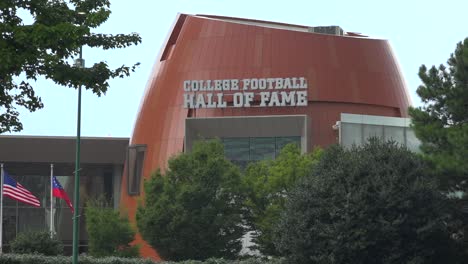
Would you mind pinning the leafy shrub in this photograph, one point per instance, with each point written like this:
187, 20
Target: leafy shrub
37, 242
38, 259
267, 183
194, 210
109, 234
369, 204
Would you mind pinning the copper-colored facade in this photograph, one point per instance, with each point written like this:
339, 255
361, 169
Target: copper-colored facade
346, 74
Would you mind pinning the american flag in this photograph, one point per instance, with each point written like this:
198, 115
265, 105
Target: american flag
17, 192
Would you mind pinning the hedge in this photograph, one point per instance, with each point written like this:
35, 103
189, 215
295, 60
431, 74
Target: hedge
40, 259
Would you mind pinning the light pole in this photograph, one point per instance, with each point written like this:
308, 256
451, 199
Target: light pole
80, 64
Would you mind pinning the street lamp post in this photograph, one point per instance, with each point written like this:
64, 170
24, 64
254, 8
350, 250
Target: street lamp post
78, 63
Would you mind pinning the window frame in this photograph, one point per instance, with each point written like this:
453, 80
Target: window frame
135, 189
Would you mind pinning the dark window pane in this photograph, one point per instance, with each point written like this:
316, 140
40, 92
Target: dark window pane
31, 219
63, 224
138, 170
109, 186
283, 141
236, 149
9, 202
136, 157
241, 151
262, 148
9, 224
242, 164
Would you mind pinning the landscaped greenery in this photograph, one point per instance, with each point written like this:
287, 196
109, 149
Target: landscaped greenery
39, 259
442, 123
194, 210
371, 204
109, 233
39, 242
268, 184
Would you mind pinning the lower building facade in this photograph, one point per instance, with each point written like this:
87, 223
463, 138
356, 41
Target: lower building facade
32, 160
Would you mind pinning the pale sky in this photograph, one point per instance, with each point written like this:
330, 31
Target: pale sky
420, 32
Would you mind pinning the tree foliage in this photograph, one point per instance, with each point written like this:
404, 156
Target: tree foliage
267, 184
442, 123
369, 204
37, 242
46, 48
109, 233
194, 209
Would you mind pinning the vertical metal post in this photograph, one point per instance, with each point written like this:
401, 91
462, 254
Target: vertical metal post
1, 211
76, 202
51, 201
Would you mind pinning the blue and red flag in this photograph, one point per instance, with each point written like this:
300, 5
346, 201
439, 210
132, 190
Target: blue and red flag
59, 192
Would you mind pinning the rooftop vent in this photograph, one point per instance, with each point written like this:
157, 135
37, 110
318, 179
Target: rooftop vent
330, 30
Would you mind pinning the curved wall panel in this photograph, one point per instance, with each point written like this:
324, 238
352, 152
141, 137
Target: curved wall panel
345, 75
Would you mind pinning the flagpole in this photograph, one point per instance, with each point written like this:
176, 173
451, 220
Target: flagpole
76, 201
51, 201
1, 211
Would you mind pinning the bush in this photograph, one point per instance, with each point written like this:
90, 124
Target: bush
37, 259
194, 211
109, 234
267, 183
36, 242
369, 204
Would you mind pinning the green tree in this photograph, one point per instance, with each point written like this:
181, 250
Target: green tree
267, 184
442, 123
194, 210
369, 204
109, 233
46, 48
36, 242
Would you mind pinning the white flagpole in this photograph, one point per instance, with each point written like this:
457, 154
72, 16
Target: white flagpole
51, 201
1, 211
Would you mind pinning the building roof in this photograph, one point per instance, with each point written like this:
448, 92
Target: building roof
286, 26
58, 149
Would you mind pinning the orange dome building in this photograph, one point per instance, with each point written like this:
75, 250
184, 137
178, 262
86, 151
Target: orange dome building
258, 85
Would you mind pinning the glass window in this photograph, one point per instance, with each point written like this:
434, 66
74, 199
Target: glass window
351, 134
283, 141
395, 133
237, 149
136, 157
9, 224
262, 148
30, 219
412, 142
241, 151
63, 221
7, 201
369, 131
